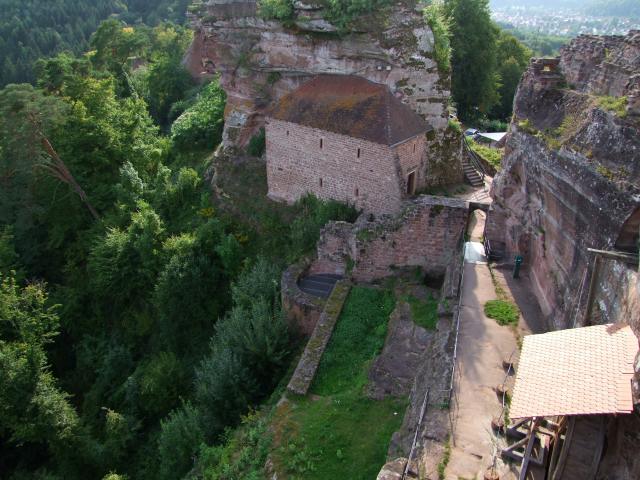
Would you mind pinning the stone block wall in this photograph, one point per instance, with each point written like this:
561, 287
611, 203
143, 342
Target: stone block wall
302, 310
302, 159
427, 234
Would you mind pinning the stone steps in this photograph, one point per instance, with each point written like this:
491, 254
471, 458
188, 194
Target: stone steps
471, 174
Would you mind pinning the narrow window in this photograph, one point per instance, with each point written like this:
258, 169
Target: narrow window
414, 145
411, 183
358, 153
321, 143
320, 183
357, 192
287, 133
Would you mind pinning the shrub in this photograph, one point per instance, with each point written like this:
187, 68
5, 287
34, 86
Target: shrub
201, 125
314, 214
276, 9
504, 312
257, 144
437, 21
455, 125
180, 438
492, 155
617, 105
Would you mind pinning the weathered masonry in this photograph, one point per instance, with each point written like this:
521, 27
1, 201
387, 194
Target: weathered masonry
348, 139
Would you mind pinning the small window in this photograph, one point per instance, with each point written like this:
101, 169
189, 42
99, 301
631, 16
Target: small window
358, 153
287, 133
357, 192
414, 145
321, 142
320, 183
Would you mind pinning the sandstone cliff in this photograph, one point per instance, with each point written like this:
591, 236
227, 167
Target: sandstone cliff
571, 172
259, 61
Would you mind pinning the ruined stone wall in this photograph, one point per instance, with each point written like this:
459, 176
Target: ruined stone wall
302, 159
301, 309
427, 234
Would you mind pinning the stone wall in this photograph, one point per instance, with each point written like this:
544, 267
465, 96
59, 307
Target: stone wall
302, 310
426, 235
371, 176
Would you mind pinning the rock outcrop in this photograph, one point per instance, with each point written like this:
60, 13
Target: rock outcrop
261, 60
571, 174
570, 183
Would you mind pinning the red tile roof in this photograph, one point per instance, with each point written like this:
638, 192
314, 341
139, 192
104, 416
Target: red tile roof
352, 106
578, 371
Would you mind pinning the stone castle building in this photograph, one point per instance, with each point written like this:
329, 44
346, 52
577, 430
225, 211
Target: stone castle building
348, 139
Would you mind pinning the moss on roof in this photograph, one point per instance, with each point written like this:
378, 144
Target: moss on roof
352, 106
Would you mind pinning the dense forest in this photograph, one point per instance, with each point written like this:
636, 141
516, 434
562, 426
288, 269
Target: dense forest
31, 29
137, 320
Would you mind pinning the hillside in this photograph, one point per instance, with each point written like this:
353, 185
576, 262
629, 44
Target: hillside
33, 29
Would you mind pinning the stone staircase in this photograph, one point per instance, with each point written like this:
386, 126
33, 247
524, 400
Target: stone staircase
472, 166
471, 174
318, 285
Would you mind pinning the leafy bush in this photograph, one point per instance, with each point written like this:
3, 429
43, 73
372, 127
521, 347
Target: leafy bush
455, 125
503, 311
492, 155
617, 105
437, 20
262, 281
257, 144
248, 352
201, 125
180, 438
314, 214
276, 9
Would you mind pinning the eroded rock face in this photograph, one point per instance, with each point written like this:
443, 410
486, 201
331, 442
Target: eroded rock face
259, 61
570, 182
571, 177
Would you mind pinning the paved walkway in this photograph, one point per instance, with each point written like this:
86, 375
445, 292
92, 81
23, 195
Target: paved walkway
482, 346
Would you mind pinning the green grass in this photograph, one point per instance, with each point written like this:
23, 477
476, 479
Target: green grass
337, 432
504, 312
358, 337
342, 436
423, 312
492, 155
446, 456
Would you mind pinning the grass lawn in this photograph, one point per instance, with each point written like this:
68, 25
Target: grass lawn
424, 312
337, 432
502, 311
